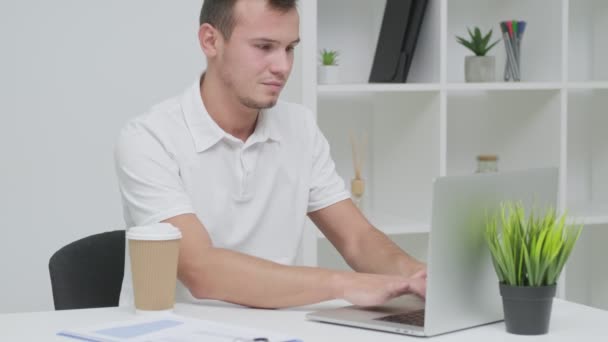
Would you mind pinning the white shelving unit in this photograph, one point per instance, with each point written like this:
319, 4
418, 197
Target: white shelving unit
435, 125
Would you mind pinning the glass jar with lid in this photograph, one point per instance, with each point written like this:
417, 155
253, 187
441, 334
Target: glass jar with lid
487, 163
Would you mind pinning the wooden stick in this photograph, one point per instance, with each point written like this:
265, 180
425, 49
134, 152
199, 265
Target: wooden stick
358, 148
356, 165
362, 154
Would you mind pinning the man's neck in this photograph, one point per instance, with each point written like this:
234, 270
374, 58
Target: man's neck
225, 109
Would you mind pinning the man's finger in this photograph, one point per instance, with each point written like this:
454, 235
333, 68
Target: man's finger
418, 287
420, 274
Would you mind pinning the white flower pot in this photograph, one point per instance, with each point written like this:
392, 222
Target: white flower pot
480, 69
328, 74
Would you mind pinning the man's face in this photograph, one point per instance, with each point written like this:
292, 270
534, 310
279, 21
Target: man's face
256, 61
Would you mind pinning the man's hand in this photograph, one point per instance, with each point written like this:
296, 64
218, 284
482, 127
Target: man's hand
367, 250
420, 276
374, 289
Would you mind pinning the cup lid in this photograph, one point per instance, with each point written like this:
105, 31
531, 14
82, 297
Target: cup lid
158, 231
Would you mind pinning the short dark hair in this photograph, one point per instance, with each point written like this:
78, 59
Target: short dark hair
219, 13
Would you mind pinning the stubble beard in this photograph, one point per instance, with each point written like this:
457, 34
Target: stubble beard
253, 104
246, 100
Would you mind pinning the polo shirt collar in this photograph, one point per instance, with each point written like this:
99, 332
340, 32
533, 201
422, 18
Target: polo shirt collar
266, 127
206, 132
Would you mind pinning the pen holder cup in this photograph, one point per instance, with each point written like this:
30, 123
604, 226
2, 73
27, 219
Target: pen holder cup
512, 69
512, 35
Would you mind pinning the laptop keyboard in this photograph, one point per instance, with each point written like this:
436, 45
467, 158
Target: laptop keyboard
415, 318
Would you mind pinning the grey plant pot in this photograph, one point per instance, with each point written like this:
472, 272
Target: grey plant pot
328, 74
527, 309
480, 69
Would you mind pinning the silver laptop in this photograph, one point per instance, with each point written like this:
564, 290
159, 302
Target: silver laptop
462, 287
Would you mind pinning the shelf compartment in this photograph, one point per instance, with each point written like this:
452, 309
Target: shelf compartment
587, 170
586, 279
541, 46
587, 44
352, 27
588, 214
521, 127
403, 149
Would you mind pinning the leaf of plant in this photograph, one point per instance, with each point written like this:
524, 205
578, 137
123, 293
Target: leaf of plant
486, 39
491, 46
526, 258
478, 34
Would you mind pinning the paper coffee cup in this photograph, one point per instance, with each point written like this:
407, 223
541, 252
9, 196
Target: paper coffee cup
154, 252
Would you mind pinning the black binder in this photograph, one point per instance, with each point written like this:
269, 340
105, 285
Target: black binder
397, 40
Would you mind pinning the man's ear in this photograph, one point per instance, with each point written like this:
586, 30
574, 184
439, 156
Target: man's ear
210, 40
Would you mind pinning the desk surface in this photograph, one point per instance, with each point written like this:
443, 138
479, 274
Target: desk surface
569, 322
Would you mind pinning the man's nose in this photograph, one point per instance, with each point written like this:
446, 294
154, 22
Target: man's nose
281, 63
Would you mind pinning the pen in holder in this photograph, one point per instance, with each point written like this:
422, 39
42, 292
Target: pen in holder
512, 34
357, 184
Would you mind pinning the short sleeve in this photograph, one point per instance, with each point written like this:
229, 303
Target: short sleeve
148, 179
327, 187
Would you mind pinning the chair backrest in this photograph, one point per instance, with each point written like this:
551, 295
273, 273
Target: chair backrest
88, 272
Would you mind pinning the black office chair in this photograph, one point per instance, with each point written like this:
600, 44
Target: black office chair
88, 273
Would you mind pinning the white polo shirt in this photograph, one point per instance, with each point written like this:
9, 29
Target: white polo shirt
251, 196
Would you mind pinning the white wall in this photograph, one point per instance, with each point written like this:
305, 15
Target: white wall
72, 72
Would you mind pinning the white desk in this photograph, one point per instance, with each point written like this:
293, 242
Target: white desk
569, 322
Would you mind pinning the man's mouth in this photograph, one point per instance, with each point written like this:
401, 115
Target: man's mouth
274, 85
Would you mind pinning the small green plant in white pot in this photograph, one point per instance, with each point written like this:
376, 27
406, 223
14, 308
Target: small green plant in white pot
479, 67
328, 68
529, 253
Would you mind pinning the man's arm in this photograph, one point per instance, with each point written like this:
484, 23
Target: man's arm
216, 273
364, 248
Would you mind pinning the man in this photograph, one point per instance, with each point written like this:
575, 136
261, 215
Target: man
237, 170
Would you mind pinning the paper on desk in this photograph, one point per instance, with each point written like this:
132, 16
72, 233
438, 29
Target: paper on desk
172, 328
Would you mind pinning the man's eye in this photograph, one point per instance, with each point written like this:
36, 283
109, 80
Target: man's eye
290, 48
264, 47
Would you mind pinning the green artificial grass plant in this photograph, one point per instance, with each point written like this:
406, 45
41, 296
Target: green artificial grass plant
529, 251
329, 57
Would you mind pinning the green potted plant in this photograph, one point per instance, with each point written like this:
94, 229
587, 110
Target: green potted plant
328, 68
529, 254
479, 67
